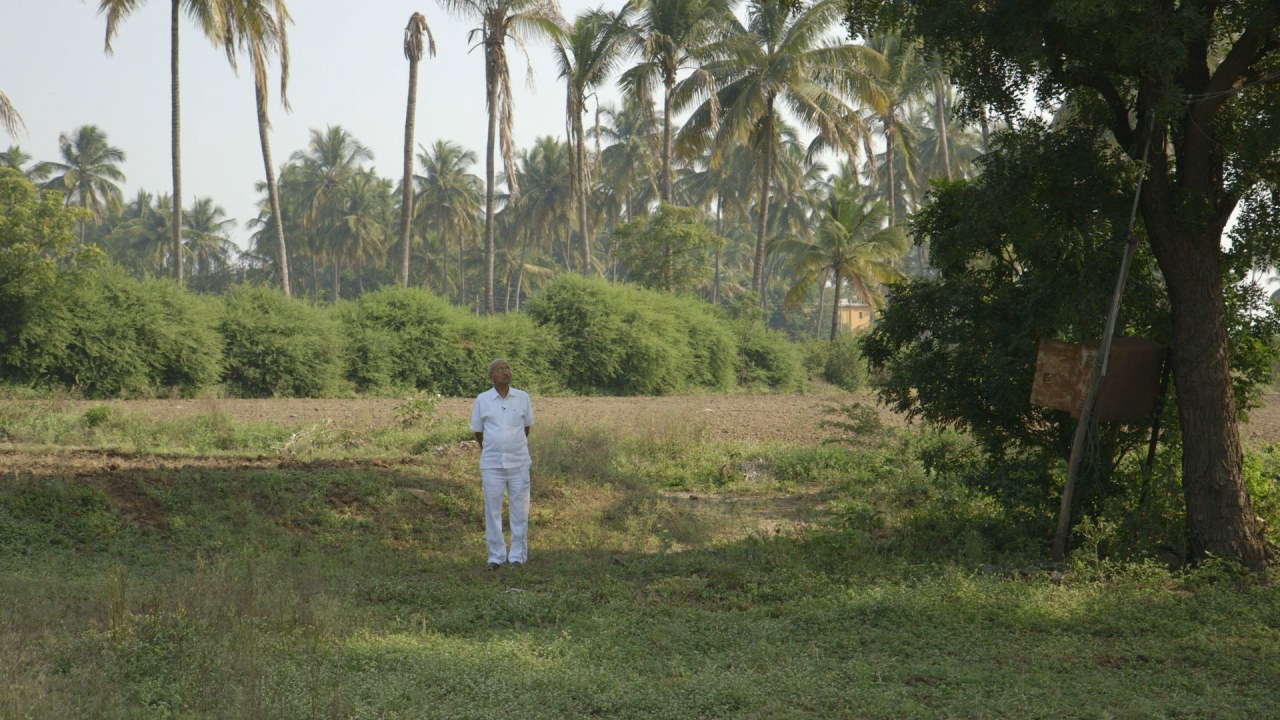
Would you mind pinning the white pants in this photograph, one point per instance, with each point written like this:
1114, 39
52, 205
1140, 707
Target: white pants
515, 483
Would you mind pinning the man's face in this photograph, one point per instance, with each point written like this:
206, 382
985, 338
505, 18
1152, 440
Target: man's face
500, 374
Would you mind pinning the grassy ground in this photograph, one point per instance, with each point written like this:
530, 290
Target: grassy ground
264, 571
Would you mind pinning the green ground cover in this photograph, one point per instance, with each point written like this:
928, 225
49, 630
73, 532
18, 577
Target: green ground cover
232, 574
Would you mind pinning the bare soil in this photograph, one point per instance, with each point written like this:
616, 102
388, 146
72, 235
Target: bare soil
789, 418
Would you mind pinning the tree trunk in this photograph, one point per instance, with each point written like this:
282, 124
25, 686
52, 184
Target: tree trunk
175, 128
1220, 521
406, 192
939, 106
835, 305
891, 185
491, 81
462, 272
664, 188
273, 191
337, 282
766, 181
817, 316
580, 152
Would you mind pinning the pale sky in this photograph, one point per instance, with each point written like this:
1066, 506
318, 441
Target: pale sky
347, 68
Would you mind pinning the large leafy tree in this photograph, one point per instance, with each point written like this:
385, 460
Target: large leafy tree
259, 28
88, 173
413, 49
668, 249
501, 21
208, 16
1197, 83
784, 58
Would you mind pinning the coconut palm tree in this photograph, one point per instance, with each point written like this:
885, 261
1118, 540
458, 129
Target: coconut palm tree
316, 178
15, 159
88, 172
10, 120
629, 163
586, 54
359, 231
452, 198
501, 21
330, 159
413, 53
904, 78
724, 192
545, 209
207, 242
784, 58
138, 241
854, 241
208, 16
674, 36
259, 28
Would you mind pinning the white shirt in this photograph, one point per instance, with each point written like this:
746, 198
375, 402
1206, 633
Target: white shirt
503, 420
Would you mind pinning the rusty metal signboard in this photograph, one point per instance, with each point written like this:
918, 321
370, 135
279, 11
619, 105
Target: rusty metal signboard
1129, 390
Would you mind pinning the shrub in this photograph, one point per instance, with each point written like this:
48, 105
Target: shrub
839, 362
626, 340
404, 338
110, 335
400, 338
766, 358
278, 347
590, 327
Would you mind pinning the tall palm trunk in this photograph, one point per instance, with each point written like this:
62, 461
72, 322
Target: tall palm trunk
491, 81
273, 190
406, 194
580, 159
441, 230
668, 81
835, 303
715, 284
176, 136
462, 271
939, 107
891, 183
766, 181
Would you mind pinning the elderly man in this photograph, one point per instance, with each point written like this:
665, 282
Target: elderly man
501, 417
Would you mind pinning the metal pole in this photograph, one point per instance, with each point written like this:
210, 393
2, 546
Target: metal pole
1099, 371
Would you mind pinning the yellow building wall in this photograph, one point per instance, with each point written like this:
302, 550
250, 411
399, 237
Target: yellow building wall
856, 317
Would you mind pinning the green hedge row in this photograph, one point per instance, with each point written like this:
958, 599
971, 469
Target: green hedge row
107, 335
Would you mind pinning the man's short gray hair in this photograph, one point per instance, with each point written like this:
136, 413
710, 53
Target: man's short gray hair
494, 362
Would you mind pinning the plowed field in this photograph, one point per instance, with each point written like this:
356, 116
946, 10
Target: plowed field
790, 418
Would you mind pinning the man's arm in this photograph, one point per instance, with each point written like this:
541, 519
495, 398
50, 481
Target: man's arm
480, 437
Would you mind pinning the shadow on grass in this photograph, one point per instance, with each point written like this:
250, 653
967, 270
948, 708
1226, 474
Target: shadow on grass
338, 589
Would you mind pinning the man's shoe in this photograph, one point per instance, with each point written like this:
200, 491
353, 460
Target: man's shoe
494, 566
516, 564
